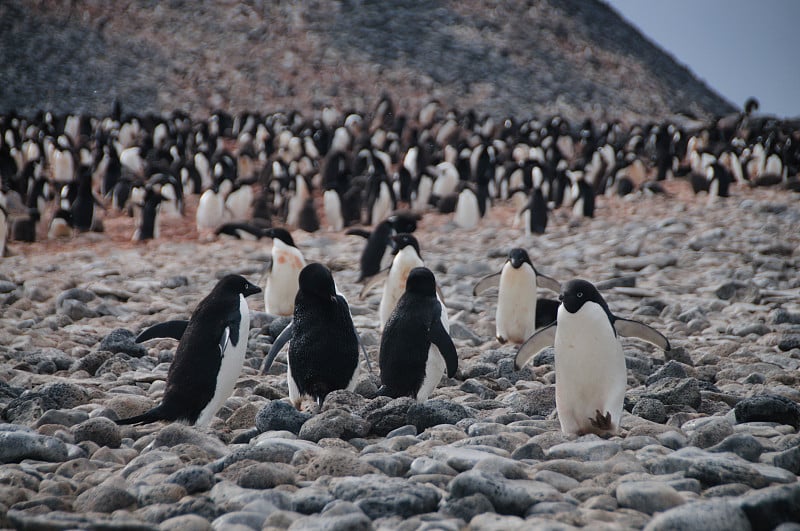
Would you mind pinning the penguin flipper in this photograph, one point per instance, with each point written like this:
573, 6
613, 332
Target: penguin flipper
548, 283
276, 347
358, 232
170, 329
443, 341
373, 281
486, 283
630, 328
539, 341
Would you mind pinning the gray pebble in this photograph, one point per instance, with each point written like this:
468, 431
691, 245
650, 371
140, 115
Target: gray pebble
193, 478
100, 430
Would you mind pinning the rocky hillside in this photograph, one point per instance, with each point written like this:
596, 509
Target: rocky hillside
576, 57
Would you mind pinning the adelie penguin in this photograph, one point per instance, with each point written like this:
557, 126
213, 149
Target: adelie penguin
323, 344
591, 377
407, 256
380, 238
519, 312
209, 358
416, 348
282, 278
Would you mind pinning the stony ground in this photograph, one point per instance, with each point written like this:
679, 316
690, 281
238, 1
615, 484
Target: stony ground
710, 436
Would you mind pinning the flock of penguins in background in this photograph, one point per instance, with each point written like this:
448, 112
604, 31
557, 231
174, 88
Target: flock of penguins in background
262, 175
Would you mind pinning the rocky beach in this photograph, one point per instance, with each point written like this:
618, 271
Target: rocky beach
709, 437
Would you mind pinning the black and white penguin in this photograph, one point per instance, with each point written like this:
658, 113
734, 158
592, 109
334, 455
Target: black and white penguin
323, 344
519, 312
241, 230
3, 224
467, 214
209, 357
407, 256
416, 348
282, 279
83, 206
211, 209
591, 377
534, 214
60, 225
380, 238
147, 224
23, 229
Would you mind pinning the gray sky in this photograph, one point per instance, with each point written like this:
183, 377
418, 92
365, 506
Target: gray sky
740, 48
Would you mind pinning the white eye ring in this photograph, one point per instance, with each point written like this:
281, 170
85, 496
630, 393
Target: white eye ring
580, 295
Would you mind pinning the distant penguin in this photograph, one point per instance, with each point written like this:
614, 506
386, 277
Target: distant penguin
407, 256
591, 377
380, 238
282, 279
583, 197
416, 349
239, 200
467, 214
519, 312
24, 229
241, 231
3, 225
61, 225
209, 356
323, 344
308, 219
147, 225
332, 205
210, 210
83, 206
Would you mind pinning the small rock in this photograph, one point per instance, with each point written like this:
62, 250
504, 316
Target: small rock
193, 478
335, 423
122, 340
768, 408
18, 445
711, 433
742, 444
707, 515
435, 412
278, 415
266, 476
648, 496
104, 499
675, 391
650, 409
100, 430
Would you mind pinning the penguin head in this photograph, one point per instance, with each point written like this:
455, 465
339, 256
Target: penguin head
403, 240
421, 282
316, 280
237, 284
575, 293
518, 256
278, 233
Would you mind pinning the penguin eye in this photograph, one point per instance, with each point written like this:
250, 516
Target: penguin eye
579, 295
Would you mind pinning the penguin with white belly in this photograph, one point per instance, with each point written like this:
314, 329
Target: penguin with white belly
283, 276
209, 357
416, 347
519, 312
591, 377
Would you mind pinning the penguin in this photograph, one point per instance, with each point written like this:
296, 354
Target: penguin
240, 231
61, 225
83, 206
3, 224
209, 356
24, 229
380, 238
416, 348
583, 197
519, 313
535, 212
467, 213
407, 256
323, 343
591, 376
147, 226
210, 209
282, 278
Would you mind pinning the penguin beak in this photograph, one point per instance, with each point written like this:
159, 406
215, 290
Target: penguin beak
251, 289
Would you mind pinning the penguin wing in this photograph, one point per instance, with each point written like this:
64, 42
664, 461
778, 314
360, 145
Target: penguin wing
170, 329
230, 331
549, 283
630, 328
373, 281
276, 347
359, 232
539, 341
223, 340
439, 337
486, 283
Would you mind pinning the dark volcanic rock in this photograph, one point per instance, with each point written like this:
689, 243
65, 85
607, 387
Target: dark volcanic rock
768, 408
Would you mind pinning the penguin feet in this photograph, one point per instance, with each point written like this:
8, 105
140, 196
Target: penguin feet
600, 421
501, 339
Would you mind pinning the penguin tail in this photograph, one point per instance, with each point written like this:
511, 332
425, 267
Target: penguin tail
152, 415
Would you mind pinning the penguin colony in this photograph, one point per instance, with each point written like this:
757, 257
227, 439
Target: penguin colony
259, 176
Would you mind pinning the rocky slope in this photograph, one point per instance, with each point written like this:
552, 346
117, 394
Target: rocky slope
577, 57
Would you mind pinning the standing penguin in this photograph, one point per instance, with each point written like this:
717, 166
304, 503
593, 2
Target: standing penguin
591, 376
416, 348
147, 225
281, 284
519, 312
209, 357
323, 344
380, 238
406, 257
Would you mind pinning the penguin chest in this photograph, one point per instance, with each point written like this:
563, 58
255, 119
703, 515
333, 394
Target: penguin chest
282, 283
590, 369
333, 210
210, 210
395, 286
467, 211
232, 359
516, 304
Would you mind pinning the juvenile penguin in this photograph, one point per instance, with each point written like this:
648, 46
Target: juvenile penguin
209, 357
519, 312
416, 348
283, 276
323, 344
406, 257
591, 376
